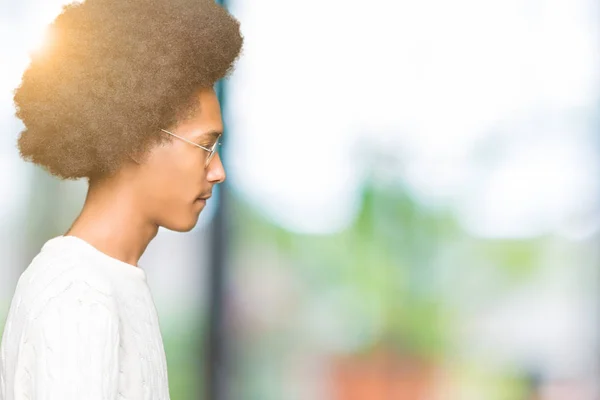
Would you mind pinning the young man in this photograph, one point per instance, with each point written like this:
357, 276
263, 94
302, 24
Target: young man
122, 96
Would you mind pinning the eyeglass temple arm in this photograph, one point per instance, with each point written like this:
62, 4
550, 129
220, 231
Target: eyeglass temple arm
189, 141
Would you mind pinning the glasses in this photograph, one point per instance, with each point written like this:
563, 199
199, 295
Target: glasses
211, 151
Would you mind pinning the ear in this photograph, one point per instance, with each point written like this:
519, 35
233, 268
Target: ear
138, 157
135, 157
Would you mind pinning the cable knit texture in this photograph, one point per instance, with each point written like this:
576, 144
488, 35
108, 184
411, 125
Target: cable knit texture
82, 325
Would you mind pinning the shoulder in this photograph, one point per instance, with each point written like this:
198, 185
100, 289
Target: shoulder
58, 277
62, 261
76, 298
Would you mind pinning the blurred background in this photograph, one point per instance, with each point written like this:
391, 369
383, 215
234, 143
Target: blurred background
412, 208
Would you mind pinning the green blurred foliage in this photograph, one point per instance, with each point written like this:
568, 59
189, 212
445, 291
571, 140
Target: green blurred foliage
390, 260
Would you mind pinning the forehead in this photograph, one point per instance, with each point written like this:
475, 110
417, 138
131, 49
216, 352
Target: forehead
206, 120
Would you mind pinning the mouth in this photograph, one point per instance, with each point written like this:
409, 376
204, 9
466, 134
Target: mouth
203, 198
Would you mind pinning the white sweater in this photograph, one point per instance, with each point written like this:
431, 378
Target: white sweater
82, 326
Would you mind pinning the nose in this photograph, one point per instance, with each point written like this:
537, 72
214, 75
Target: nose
216, 171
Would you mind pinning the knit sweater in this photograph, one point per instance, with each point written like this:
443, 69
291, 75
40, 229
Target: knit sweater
82, 326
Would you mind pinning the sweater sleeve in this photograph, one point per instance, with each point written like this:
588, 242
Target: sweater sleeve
76, 346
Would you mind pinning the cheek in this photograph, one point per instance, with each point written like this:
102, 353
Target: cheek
175, 174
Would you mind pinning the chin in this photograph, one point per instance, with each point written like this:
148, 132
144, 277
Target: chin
183, 225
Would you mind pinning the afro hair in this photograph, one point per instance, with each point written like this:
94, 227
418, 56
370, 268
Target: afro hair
113, 74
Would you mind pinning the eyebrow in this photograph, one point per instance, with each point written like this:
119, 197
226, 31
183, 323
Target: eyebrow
212, 135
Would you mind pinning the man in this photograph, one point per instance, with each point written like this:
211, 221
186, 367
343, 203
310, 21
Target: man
122, 96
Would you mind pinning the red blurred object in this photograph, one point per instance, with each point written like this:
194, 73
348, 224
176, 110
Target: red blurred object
381, 375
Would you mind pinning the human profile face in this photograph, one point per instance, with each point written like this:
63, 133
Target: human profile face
174, 180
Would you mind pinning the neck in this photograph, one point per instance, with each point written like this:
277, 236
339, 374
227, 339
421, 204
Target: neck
113, 222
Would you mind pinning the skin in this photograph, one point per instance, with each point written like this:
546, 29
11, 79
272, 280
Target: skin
122, 212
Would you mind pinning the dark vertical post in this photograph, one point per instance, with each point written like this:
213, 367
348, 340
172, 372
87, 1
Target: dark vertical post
216, 349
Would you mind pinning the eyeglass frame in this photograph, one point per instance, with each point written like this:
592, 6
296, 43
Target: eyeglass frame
211, 152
